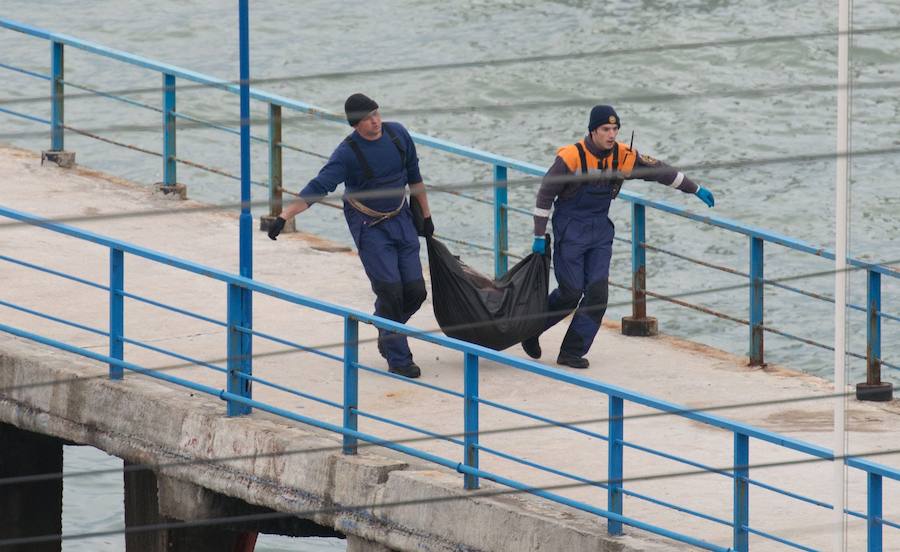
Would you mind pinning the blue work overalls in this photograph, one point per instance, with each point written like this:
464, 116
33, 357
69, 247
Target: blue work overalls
583, 236
389, 251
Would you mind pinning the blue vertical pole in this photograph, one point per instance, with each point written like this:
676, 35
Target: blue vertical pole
615, 462
756, 302
638, 261
470, 391
351, 381
169, 153
873, 514
116, 310
57, 117
501, 229
246, 220
741, 511
238, 361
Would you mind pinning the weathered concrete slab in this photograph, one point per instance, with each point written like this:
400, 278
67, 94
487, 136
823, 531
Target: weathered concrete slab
144, 422
662, 366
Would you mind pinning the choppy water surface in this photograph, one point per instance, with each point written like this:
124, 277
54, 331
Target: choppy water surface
689, 106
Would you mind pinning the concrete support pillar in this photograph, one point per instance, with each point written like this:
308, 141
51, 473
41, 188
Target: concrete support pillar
30, 509
185, 501
359, 544
142, 507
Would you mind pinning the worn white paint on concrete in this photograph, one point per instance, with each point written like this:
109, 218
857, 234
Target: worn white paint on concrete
664, 367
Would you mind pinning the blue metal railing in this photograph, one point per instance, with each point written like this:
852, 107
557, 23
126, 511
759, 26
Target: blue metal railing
238, 397
501, 208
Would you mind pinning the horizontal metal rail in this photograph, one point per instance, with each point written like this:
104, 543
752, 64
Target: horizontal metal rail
820, 345
695, 261
24, 116
890, 523
518, 210
171, 308
542, 419
52, 318
106, 288
26, 72
382, 419
677, 507
800, 497
409, 381
772, 537
292, 344
698, 308
674, 458
115, 97
541, 467
295, 392
173, 354
53, 272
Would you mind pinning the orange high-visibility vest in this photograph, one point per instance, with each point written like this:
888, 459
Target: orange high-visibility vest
581, 160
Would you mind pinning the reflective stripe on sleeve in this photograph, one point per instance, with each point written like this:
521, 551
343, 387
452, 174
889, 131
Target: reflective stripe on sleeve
538, 212
679, 178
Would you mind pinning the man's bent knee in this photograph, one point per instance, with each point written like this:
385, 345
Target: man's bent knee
414, 295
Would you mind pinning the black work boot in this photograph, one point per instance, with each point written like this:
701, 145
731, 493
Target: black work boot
411, 370
532, 347
572, 361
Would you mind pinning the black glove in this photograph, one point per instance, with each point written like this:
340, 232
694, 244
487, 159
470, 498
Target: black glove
427, 227
275, 227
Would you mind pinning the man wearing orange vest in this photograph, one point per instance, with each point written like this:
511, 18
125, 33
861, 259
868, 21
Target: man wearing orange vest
580, 185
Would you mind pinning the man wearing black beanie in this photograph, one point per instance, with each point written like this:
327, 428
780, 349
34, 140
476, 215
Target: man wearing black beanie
376, 163
582, 182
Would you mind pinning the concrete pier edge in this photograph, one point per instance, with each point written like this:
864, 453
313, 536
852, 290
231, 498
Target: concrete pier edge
157, 424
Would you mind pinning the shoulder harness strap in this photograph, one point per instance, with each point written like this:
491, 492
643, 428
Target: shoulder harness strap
367, 170
396, 140
582, 157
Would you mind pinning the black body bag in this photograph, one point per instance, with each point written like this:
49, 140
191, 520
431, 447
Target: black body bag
494, 313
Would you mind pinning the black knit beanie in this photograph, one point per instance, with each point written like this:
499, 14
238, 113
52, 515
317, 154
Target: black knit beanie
603, 115
358, 107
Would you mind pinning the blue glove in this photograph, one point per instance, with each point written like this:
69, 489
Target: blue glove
705, 196
539, 245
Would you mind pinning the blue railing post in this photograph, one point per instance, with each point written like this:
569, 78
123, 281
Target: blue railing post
741, 511
638, 324
873, 514
169, 154
756, 302
57, 112
501, 229
351, 381
873, 389
615, 462
116, 310
239, 362
470, 415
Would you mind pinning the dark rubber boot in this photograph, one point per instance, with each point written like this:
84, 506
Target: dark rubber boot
532, 347
411, 370
572, 361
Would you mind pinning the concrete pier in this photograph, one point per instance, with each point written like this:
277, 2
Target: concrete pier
293, 469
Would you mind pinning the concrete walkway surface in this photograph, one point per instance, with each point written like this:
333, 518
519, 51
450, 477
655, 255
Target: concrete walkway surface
664, 367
